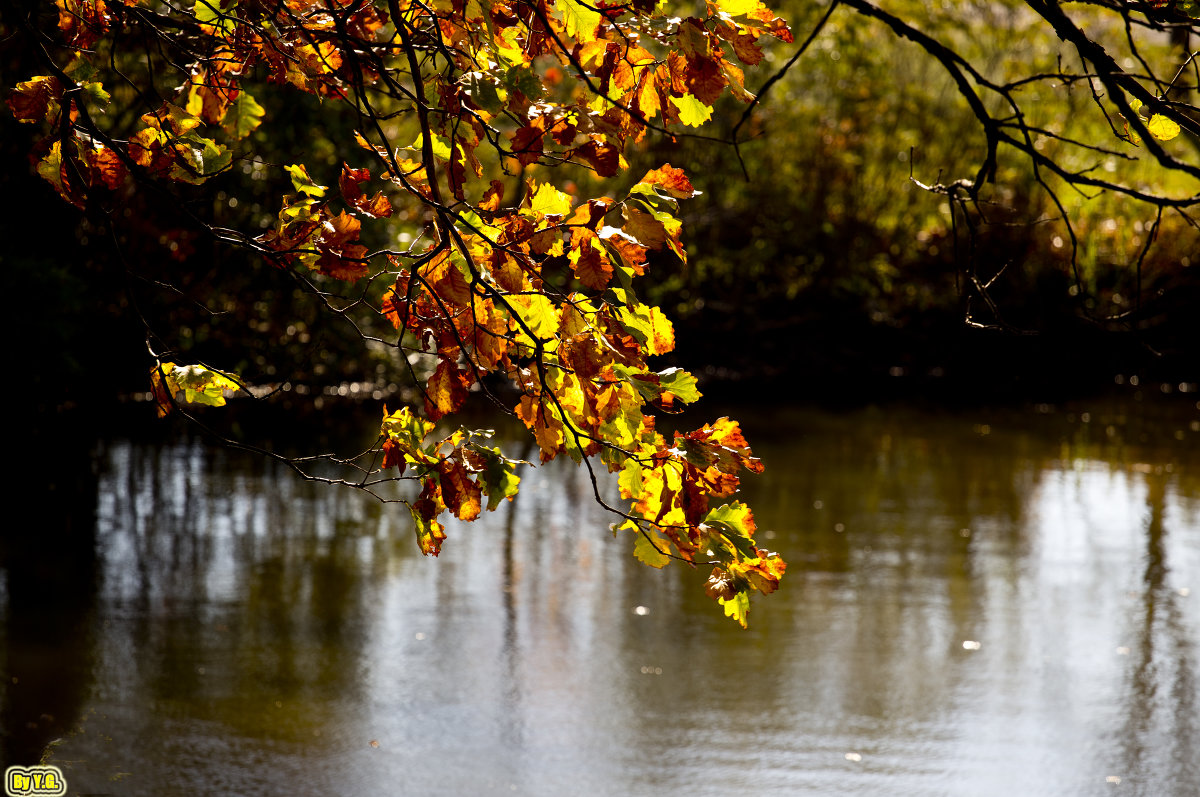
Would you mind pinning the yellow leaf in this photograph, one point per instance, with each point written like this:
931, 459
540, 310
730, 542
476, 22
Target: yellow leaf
539, 314
549, 201
692, 112
580, 20
739, 7
1162, 128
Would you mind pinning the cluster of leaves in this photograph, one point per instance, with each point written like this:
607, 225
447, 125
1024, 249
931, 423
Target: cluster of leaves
458, 105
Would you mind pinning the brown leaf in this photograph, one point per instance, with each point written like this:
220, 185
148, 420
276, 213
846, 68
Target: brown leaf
644, 227
588, 260
492, 197
704, 79
393, 455
745, 46
527, 142
35, 100
601, 156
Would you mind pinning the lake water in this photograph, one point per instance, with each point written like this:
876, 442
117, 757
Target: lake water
976, 603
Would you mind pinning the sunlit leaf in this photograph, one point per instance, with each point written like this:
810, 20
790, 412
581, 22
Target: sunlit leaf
430, 533
692, 112
737, 607
303, 183
243, 116
549, 201
499, 480
1162, 128
650, 549
580, 20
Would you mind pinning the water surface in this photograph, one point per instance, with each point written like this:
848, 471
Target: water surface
977, 603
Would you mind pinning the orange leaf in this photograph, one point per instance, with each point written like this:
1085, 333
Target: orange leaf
673, 181
430, 533
461, 493
446, 390
591, 266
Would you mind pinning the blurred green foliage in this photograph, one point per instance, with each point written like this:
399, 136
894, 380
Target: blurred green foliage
827, 232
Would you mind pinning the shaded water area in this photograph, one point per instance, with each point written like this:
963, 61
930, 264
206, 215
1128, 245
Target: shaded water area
977, 603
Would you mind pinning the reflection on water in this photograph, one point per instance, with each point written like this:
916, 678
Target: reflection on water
974, 605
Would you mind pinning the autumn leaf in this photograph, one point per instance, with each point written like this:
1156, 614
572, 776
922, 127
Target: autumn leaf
588, 260
243, 116
430, 533
303, 183
737, 608
446, 390
198, 383
549, 201
541, 293
1162, 128
736, 523
498, 479
407, 432
739, 7
460, 492
650, 549
672, 181
579, 20
35, 100
692, 112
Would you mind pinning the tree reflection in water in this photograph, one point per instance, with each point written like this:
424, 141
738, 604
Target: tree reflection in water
250, 632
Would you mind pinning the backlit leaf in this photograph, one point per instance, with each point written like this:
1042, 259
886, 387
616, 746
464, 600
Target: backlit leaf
580, 21
692, 112
737, 607
243, 116
499, 480
303, 183
430, 533
650, 549
1162, 128
549, 201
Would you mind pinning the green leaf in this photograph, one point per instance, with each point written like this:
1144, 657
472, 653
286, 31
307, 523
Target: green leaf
485, 94
50, 167
208, 13
737, 607
524, 80
205, 156
407, 432
651, 551
680, 383
303, 183
200, 384
243, 116
499, 481
735, 523
430, 533
630, 480
97, 94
